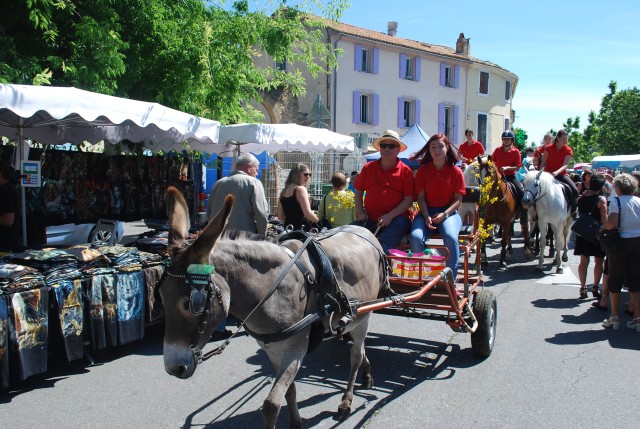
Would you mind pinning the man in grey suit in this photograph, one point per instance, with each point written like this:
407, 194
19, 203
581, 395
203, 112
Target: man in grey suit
251, 209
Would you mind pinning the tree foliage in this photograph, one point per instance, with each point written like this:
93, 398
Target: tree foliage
192, 55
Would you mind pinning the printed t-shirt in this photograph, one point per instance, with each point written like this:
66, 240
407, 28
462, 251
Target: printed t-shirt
385, 189
511, 158
556, 157
468, 153
439, 186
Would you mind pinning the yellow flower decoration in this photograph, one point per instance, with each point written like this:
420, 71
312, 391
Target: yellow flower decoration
488, 196
346, 200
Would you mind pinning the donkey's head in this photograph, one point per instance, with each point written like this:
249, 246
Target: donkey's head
195, 300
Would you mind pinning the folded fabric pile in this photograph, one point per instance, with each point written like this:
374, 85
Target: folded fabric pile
156, 243
92, 261
16, 278
123, 259
150, 259
55, 264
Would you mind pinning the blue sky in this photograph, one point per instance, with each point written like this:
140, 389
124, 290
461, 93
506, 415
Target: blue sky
564, 52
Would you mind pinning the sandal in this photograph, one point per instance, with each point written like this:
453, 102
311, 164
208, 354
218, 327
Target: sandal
599, 306
583, 293
595, 291
611, 322
634, 324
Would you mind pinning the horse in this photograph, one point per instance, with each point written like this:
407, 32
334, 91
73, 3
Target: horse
245, 266
502, 206
535, 234
546, 194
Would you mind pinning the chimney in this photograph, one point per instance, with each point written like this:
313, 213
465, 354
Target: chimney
462, 45
392, 28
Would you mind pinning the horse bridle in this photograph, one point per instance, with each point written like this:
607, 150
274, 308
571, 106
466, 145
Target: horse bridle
533, 196
203, 289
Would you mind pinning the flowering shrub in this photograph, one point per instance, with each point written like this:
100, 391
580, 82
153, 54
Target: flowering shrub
488, 196
345, 199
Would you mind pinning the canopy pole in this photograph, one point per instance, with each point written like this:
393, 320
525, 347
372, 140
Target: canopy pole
22, 190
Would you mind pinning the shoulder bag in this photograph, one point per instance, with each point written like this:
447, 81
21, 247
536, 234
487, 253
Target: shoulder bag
586, 226
610, 240
324, 222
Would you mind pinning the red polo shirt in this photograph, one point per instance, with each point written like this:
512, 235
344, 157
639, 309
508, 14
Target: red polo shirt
512, 158
556, 157
439, 186
469, 151
385, 189
538, 154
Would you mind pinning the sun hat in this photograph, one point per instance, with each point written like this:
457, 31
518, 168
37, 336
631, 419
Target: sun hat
389, 136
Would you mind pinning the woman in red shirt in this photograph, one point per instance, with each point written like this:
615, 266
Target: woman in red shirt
439, 188
469, 149
508, 161
555, 160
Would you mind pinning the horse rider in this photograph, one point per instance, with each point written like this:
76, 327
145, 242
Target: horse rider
555, 160
537, 154
508, 161
469, 149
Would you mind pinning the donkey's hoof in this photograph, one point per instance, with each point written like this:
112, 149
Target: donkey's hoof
552, 253
539, 270
367, 382
343, 413
559, 270
565, 258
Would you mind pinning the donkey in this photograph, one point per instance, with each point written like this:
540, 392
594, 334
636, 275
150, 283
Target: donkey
244, 270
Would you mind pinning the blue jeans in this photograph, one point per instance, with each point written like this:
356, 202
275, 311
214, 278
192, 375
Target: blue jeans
448, 229
391, 235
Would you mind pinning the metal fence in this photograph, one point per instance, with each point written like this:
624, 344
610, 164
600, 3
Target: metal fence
321, 164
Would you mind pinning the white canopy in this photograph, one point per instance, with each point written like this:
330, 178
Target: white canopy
628, 162
57, 115
257, 138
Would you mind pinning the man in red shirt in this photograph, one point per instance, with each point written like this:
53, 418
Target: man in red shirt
389, 186
470, 149
508, 161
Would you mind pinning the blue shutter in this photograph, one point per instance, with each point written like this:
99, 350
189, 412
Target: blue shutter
417, 112
376, 54
401, 112
403, 66
376, 109
440, 118
456, 76
443, 74
417, 69
356, 107
454, 136
357, 57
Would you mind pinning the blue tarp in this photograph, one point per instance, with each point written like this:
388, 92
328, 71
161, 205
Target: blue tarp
415, 138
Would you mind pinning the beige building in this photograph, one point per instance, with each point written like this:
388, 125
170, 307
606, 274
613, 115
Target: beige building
387, 82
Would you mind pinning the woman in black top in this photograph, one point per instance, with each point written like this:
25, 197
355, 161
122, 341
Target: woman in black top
595, 204
294, 207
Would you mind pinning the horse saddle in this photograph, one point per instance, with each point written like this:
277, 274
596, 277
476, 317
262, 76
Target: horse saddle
566, 191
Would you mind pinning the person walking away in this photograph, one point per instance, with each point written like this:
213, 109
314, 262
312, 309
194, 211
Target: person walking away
555, 160
508, 161
623, 261
294, 206
439, 189
250, 210
593, 203
389, 187
469, 149
337, 206
9, 209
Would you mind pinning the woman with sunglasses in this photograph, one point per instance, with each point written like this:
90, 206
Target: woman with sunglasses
439, 187
294, 207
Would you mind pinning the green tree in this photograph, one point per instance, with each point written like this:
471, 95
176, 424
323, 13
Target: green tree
619, 121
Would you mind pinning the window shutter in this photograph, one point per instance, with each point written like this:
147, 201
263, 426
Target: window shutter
376, 54
356, 107
403, 66
417, 112
417, 77
401, 112
376, 109
456, 76
454, 137
357, 56
507, 90
440, 118
443, 74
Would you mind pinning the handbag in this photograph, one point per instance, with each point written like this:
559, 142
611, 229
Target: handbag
324, 222
586, 226
610, 239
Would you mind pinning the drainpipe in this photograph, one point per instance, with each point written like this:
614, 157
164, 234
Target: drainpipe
334, 104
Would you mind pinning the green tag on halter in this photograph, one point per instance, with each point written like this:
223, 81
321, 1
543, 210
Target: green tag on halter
199, 273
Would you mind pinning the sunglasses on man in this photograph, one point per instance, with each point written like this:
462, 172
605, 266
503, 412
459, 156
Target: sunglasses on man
388, 146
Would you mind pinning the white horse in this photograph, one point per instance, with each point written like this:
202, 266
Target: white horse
545, 193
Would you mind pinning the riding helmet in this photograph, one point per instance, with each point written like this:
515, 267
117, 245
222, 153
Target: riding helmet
508, 135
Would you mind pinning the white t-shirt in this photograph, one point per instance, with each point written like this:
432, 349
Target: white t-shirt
630, 217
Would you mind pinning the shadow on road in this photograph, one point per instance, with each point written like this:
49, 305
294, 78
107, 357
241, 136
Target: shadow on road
399, 364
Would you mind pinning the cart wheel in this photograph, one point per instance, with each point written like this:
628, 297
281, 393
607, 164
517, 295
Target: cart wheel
486, 311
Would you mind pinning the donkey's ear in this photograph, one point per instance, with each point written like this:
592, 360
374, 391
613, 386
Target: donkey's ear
178, 217
201, 248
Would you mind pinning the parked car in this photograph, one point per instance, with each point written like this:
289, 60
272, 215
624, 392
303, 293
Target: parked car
104, 231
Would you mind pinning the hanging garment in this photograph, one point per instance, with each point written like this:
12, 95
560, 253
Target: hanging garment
29, 332
68, 295
130, 292
102, 311
4, 343
152, 276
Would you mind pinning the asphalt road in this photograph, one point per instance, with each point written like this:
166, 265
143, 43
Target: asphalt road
553, 366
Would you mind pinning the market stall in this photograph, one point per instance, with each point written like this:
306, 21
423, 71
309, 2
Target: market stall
616, 163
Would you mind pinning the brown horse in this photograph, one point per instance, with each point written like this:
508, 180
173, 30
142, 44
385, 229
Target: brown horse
502, 207
245, 269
